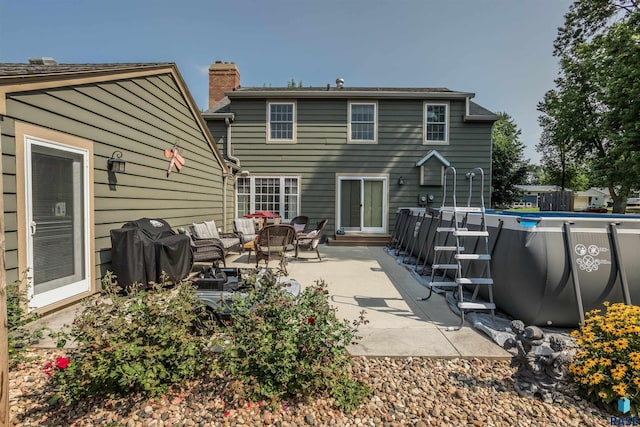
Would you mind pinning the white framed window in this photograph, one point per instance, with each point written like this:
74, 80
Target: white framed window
281, 121
363, 122
279, 194
436, 123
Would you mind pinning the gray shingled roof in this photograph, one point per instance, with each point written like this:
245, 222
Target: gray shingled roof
477, 110
222, 106
19, 69
346, 89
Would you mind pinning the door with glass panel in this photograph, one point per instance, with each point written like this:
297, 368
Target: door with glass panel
57, 221
362, 204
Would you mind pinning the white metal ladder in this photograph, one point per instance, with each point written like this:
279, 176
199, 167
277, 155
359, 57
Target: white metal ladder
451, 256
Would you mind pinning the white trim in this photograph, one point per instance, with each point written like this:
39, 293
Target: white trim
294, 104
83, 284
375, 123
425, 141
433, 153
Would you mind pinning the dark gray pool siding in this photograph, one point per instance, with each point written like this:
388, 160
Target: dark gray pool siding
534, 260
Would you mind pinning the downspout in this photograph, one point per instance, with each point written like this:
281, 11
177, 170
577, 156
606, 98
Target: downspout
227, 122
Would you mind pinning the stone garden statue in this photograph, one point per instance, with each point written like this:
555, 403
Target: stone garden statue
541, 366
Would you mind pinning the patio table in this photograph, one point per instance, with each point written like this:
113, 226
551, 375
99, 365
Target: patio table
251, 246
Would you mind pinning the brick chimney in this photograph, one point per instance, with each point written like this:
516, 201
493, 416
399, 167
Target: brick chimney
223, 77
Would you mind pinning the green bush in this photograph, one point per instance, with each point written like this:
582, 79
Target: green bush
140, 341
18, 318
283, 347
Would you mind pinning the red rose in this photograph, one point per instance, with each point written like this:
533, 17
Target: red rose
311, 320
62, 362
48, 369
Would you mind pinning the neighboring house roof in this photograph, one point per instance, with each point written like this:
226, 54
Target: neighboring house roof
592, 192
430, 154
46, 73
538, 188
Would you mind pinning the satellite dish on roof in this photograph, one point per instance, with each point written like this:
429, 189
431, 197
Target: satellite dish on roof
339, 82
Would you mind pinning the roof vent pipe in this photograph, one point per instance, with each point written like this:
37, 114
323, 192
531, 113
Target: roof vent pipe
339, 82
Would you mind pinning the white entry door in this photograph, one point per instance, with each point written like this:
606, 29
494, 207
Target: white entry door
57, 221
362, 204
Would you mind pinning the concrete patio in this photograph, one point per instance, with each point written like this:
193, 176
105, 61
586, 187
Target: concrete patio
367, 278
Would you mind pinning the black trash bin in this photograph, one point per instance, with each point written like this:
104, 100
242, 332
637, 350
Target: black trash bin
143, 249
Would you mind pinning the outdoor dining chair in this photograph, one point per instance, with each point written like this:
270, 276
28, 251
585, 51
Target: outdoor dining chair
311, 240
273, 240
299, 223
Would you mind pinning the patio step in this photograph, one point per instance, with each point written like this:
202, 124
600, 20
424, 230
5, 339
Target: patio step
359, 239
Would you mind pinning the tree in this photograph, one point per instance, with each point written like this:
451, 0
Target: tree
594, 113
561, 165
292, 83
509, 168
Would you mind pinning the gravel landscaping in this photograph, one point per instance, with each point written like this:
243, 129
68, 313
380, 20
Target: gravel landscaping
405, 391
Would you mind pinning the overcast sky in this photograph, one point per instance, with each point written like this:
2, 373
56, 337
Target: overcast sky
501, 50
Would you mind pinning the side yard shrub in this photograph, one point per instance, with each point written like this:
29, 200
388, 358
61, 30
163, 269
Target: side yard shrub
283, 347
18, 317
606, 366
140, 341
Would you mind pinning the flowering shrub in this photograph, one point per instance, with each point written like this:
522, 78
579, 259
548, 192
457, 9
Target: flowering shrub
607, 362
50, 368
284, 347
137, 342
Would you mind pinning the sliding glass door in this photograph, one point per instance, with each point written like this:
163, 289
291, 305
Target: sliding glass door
362, 203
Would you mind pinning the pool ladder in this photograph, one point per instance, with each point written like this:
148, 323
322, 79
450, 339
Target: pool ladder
451, 256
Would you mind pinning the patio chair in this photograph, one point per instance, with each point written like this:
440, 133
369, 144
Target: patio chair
273, 240
299, 223
205, 250
245, 229
208, 231
311, 240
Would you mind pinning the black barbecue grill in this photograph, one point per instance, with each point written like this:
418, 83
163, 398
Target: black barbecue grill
144, 249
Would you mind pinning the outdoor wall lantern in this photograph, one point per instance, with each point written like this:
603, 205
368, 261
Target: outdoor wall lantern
401, 180
115, 164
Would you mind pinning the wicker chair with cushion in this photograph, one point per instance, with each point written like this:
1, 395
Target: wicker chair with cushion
245, 228
208, 231
273, 240
205, 249
299, 223
311, 240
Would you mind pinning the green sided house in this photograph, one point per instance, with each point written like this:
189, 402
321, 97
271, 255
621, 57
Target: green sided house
66, 129
353, 155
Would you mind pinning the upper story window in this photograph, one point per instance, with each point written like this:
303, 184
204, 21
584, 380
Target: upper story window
436, 123
281, 121
362, 122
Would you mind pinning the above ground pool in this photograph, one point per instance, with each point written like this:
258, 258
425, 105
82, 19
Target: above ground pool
549, 268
